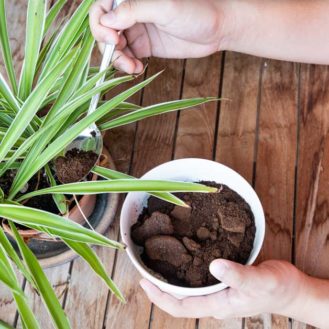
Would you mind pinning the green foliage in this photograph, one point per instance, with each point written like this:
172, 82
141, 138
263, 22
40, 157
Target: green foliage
39, 116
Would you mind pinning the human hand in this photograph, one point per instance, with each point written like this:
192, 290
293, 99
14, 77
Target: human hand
162, 28
271, 287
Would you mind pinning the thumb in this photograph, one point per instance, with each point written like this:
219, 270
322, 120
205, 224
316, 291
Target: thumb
236, 276
130, 12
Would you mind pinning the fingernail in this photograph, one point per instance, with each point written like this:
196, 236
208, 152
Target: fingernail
218, 268
108, 19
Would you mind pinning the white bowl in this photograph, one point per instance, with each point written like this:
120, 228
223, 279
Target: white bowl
192, 170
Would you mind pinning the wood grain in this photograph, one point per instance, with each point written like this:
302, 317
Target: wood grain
7, 305
237, 121
196, 127
58, 276
276, 159
312, 226
238, 112
263, 321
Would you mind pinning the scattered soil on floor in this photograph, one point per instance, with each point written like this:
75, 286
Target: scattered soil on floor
75, 165
180, 243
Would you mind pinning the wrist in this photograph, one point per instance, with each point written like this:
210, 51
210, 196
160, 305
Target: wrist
313, 302
239, 23
226, 23
294, 295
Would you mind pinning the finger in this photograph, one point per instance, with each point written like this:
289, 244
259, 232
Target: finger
100, 32
139, 66
123, 62
187, 308
122, 42
235, 275
131, 12
139, 41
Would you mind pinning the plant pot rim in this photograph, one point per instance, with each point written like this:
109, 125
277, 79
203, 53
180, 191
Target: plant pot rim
189, 169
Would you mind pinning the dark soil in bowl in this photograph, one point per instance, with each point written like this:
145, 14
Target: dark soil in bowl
180, 243
75, 165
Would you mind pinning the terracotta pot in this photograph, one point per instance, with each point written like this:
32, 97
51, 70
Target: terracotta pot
99, 209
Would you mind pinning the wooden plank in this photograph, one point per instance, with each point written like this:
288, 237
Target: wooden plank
59, 280
263, 321
7, 305
196, 127
87, 294
153, 145
195, 138
312, 226
237, 122
276, 158
237, 125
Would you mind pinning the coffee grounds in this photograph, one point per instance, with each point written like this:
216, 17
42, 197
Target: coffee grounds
75, 165
180, 243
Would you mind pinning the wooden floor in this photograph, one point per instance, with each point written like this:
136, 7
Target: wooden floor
272, 128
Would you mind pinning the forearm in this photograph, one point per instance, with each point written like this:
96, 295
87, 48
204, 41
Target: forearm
294, 30
311, 304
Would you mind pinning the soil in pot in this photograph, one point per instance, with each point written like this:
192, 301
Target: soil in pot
180, 243
74, 165
42, 202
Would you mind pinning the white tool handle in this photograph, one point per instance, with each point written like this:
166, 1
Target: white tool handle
107, 58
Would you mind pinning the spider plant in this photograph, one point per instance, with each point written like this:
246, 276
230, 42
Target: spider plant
40, 114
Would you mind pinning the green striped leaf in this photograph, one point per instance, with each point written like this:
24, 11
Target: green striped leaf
112, 174
4, 325
48, 132
155, 110
120, 186
59, 199
69, 86
45, 289
28, 319
8, 95
6, 278
53, 13
5, 47
36, 16
69, 32
35, 217
70, 134
31, 106
94, 262
10, 251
